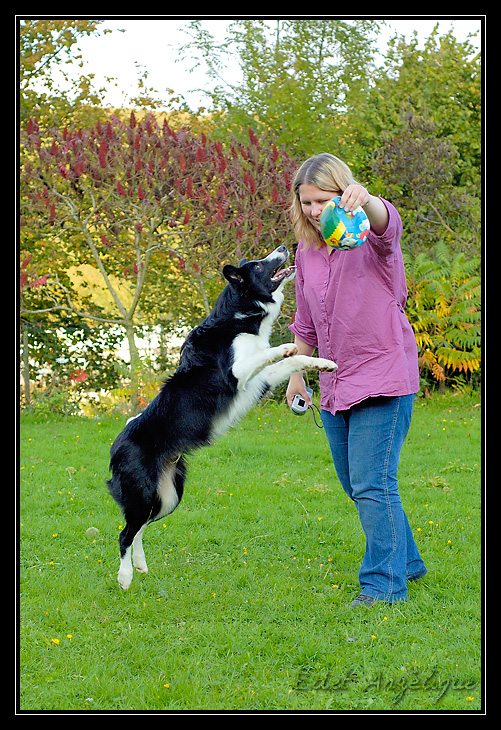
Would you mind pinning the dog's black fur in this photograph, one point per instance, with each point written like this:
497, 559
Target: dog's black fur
226, 367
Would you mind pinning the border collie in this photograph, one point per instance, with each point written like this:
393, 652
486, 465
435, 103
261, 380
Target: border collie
226, 367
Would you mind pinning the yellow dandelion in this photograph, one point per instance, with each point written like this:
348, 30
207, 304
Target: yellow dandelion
55, 641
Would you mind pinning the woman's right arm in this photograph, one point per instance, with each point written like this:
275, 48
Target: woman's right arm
296, 383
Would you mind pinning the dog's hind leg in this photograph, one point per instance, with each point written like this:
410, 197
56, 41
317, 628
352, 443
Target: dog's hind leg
125, 571
131, 553
131, 538
165, 500
138, 557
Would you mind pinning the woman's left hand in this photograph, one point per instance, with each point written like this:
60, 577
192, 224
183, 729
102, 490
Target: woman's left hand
353, 197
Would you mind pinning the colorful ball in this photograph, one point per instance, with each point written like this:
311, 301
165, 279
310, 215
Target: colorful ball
341, 229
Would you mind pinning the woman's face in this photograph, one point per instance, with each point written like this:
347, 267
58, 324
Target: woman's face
313, 200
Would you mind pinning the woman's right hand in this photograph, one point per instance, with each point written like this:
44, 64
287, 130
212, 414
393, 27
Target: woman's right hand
297, 387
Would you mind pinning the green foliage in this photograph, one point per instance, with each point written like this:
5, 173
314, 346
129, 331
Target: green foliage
444, 308
417, 167
46, 45
161, 208
297, 75
413, 118
440, 82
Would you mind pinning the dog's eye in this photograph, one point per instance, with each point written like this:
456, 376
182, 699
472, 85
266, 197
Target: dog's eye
258, 267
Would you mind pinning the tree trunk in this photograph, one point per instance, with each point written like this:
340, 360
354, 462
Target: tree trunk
26, 365
203, 293
134, 367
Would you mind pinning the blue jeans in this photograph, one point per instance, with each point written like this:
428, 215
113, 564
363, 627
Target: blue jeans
365, 443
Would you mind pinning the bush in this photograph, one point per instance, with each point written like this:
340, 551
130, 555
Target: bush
444, 309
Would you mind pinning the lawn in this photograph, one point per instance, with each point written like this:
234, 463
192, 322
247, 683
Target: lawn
245, 606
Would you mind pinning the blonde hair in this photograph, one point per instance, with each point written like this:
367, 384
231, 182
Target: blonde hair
327, 173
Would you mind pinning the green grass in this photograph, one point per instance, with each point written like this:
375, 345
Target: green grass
245, 604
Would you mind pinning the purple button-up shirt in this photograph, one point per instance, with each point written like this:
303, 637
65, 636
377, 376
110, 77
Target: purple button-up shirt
350, 305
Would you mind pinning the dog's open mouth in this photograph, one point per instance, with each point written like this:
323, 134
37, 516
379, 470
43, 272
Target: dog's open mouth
283, 273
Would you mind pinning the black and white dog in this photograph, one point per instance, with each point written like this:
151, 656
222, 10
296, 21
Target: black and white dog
226, 367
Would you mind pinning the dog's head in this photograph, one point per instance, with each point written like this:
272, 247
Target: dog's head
261, 279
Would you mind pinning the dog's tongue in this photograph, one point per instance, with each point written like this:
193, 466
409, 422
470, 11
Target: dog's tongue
282, 273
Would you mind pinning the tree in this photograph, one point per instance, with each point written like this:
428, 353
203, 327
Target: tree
158, 209
440, 83
417, 167
45, 44
297, 75
314, 83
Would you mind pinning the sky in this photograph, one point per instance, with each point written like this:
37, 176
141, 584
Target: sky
151, 44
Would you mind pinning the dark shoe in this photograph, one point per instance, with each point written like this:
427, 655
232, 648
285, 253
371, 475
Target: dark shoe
362, 600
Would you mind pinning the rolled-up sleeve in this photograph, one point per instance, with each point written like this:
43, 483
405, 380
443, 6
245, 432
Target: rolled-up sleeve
302, 325
388, 242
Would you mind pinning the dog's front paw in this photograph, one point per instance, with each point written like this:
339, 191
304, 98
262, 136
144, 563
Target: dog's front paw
326, 366
289, 349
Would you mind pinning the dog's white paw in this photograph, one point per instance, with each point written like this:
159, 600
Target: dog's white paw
326, 366
140, 566
289, 349
124, 576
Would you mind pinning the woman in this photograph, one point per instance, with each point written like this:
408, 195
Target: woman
350, 305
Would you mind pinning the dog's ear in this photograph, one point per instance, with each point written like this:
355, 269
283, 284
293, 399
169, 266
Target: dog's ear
232, 274
242, 262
